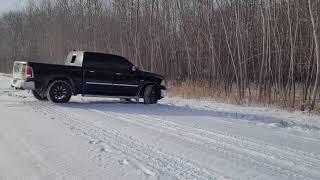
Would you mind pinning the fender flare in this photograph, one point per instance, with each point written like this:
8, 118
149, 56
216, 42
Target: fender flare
49, 79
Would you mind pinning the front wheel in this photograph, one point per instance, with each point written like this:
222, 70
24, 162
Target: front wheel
59, 92
151, 94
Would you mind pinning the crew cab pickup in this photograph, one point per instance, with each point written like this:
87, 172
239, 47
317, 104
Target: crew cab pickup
88, 74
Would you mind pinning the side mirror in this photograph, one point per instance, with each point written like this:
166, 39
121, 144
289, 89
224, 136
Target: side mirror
134, 69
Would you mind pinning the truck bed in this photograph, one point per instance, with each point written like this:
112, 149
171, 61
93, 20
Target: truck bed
43, 72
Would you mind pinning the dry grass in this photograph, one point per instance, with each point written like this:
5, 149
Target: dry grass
203, 91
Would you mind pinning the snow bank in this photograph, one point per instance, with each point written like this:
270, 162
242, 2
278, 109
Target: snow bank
271, 116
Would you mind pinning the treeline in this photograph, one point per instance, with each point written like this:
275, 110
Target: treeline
261, 50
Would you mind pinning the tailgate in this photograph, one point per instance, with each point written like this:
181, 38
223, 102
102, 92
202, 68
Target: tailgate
19, 70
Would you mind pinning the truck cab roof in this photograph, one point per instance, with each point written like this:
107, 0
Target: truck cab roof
78, 58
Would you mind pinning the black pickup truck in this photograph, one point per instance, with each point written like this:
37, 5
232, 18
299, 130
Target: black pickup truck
88, 74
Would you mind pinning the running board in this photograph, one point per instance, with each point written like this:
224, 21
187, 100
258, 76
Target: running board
114, 97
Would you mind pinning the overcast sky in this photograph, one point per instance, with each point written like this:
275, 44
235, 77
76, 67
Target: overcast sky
7, 5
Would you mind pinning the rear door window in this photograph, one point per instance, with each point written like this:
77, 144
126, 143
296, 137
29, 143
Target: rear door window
96, 61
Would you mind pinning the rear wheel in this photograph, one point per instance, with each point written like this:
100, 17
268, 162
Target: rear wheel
59, 92
151, 94
39, 95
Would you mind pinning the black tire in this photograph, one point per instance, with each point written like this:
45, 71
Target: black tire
59, 92
151, 95
38, 95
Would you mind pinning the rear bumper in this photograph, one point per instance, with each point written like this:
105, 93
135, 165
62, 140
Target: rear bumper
23, 84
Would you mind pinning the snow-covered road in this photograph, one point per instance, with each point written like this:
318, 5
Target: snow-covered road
176, 139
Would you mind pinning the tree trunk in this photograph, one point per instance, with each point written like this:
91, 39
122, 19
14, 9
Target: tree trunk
316, 41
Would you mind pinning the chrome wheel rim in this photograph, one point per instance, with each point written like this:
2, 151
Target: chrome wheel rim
59, 92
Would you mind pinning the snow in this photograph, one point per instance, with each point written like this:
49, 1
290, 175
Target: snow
97, 138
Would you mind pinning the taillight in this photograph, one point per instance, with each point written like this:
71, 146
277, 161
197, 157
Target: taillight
29, 72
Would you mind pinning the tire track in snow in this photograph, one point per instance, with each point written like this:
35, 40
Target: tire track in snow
246, 142
153, 158
230, 146
51, 164
242, 139
233, 118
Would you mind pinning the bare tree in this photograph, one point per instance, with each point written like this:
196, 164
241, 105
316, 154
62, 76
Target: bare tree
317, 54
247, 50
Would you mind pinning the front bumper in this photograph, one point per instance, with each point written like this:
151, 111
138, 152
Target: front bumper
23, 84
164, 93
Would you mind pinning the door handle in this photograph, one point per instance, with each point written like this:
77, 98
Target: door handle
91, 71
119, 74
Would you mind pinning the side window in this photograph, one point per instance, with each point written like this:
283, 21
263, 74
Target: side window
122, 64
73, 60
107, 62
